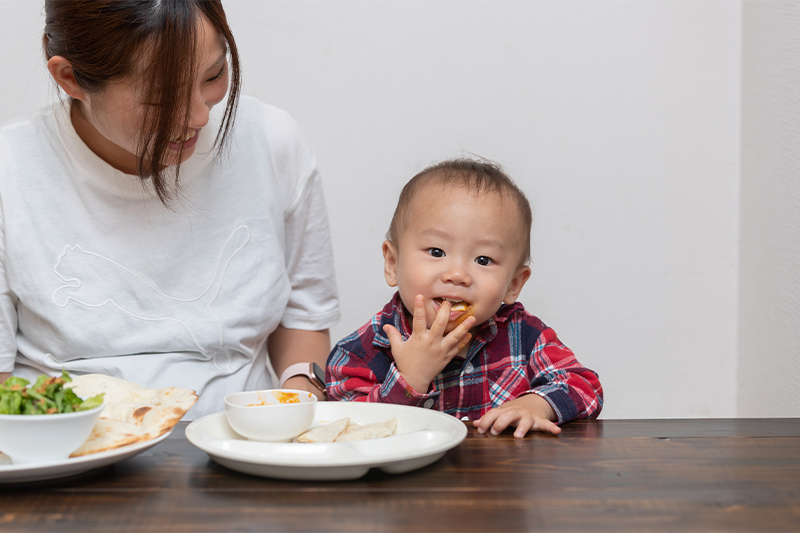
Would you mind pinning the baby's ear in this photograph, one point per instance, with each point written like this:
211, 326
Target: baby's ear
521, 277
390, 263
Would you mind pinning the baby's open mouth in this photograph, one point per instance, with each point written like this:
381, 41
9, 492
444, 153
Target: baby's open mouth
455, 305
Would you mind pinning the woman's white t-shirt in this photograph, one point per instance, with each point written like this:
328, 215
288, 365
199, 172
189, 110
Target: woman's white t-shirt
96, 275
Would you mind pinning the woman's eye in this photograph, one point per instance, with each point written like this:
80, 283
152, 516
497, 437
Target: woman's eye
436, 252
218, 76
483, 260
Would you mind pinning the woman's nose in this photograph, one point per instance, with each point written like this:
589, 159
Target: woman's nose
200, 111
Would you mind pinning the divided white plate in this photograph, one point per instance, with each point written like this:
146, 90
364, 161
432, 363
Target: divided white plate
422, 437
11, 473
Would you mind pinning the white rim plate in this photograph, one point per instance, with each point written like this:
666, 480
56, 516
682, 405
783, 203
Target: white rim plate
421, 438
11, 473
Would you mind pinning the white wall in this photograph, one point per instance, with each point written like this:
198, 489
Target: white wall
769, 366
620, 119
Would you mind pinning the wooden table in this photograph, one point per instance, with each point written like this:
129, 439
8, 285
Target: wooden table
635, 475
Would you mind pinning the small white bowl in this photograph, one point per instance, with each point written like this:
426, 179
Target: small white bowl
259, 415
45, 438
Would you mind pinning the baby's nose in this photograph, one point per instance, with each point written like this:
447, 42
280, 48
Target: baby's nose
457, 274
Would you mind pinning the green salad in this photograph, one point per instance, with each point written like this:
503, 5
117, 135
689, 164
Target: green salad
46, 397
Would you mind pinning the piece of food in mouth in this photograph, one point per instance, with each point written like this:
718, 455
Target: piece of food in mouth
458, 306
455, 305
132, 413
325, 432
378, 430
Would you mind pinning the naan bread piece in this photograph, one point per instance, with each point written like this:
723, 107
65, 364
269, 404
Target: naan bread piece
110, 434
324, 433
115, 390
133, 413
377, 430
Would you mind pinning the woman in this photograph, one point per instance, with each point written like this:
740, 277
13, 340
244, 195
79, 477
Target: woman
153, 228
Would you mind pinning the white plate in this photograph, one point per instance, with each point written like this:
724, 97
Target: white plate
11, 473
422, 437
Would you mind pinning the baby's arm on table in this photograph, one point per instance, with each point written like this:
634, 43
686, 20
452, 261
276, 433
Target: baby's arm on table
529, 412
561, 390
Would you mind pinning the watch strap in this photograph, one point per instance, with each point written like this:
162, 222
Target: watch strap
301, 369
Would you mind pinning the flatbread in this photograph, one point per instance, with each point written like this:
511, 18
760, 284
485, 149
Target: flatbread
377, 430
132, 413
325, 432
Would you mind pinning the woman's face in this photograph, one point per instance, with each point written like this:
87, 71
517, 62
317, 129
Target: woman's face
110, 122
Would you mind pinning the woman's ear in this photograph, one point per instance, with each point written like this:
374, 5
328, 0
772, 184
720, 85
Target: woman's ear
521, 277
61, 70
390, 263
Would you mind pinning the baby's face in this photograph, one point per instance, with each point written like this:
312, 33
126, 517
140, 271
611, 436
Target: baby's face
460, 247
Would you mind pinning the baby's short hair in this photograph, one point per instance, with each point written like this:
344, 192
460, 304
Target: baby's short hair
478, 175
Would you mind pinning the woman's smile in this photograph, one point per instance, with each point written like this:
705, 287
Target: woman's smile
188, 141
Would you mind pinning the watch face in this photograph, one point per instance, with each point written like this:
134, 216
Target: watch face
318, 372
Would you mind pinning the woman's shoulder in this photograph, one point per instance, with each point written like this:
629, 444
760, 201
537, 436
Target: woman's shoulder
270, 131
255, 113
24, 131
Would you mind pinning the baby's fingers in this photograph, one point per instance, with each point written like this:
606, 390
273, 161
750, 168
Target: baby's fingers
442, 318
461, 335
395, 339
507, 417
484, 423
542, 424
420, 324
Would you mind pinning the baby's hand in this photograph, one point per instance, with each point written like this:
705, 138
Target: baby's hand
427, 351
527, 413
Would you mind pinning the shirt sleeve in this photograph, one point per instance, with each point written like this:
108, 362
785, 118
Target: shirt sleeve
573, 391
8, 314
349, 378
314, 302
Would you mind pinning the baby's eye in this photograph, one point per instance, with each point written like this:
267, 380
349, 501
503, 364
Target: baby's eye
483, 260
436, 252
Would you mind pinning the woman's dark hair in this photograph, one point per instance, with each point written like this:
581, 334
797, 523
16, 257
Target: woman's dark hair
478, 175
105, 41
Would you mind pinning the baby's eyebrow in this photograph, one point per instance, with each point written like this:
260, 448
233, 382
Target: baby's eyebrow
491, 242
434, 232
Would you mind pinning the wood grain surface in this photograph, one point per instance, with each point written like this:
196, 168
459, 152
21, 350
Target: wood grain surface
609, 475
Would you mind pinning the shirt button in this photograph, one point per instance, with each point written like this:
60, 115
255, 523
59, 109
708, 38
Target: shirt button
469, 368
428, 403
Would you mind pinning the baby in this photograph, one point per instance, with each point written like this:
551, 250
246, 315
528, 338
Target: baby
454, 336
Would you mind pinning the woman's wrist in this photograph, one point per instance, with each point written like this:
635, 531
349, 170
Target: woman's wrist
303, 383
287, 347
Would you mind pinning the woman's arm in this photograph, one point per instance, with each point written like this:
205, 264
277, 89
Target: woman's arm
4, 376
289, 346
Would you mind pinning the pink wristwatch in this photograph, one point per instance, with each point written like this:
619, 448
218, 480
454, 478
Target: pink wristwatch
312, 371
